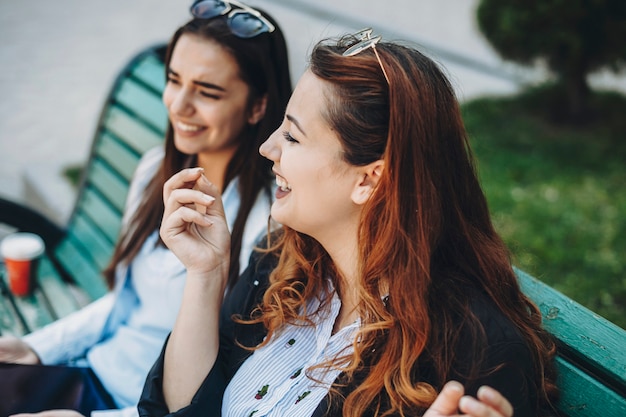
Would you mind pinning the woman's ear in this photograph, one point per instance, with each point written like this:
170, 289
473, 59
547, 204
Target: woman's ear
369, 178
258, 110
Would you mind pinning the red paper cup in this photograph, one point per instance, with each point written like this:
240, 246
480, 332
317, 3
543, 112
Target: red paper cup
21, 252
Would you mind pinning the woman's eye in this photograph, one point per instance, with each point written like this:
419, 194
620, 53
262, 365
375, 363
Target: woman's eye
209, 95
172, 80
289, 138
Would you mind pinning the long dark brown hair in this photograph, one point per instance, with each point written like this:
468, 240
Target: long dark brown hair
426, 237
263, 66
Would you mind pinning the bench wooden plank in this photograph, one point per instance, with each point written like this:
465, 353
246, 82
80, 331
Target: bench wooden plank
54, 288
98, 247
31, 312
118, 156
591, 361
101, 213
130, 131
584, 396
145, 104
109, 184
86, 274
578, 329
151, 71
9, 319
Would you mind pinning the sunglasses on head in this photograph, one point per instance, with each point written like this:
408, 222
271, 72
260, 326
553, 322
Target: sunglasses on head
364, 41
244, 21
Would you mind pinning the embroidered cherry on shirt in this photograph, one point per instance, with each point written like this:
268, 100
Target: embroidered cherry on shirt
301, 397
261, 393
296, 374
290, 343
250, 415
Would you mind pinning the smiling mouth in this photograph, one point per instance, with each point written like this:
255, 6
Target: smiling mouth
184, 127
282, 184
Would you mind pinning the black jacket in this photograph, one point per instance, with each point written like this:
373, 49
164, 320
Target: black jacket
505, 347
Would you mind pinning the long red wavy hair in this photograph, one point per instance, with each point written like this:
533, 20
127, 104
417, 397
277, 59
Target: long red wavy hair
425, 234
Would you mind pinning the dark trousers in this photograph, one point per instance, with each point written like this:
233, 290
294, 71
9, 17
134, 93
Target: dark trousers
35, 388
94, 397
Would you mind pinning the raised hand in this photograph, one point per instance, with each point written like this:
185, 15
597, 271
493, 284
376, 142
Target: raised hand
194, 225
194, 228
14, 350
490, 403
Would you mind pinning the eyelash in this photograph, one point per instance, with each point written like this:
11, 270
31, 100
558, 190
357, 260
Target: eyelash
209, 95
289, 138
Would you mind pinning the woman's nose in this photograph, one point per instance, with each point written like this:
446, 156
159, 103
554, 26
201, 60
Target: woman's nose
182, 104
270, 148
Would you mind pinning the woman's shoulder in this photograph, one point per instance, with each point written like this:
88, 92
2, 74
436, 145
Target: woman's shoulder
152, 157
144, 173
497, 326
148, 165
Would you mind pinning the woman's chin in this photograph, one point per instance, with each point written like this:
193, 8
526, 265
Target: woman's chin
278, 215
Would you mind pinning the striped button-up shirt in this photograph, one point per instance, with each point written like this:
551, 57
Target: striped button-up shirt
278, 379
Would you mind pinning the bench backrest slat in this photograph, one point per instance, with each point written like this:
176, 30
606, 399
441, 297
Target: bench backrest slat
128, 130
119, 157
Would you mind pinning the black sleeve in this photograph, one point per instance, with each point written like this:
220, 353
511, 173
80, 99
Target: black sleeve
206, 402
510, 370
240, 301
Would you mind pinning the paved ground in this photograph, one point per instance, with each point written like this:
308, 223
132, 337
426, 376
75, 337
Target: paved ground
59, 59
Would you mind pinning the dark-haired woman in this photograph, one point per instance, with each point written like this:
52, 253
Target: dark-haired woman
227, 87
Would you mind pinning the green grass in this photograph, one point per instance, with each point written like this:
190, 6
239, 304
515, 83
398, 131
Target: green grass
558, 194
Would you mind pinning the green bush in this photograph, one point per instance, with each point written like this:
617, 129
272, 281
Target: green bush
573, 37
557, 194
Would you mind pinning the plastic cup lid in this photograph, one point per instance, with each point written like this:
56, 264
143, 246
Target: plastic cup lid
22, 246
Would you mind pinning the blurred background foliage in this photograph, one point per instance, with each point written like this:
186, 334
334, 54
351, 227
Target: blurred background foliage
552, 159
572, 38
557, 194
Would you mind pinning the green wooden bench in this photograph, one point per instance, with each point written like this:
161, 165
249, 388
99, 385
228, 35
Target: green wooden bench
592, 351
591, 360
133, 120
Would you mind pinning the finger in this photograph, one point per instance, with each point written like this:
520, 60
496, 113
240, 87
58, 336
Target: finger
477, 408
187, 197
447, 401
208, 188
496, 400
185, 178
180, 220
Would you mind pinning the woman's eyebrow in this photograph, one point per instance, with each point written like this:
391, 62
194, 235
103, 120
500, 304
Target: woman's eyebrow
295, 122
200, 83
209, 85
